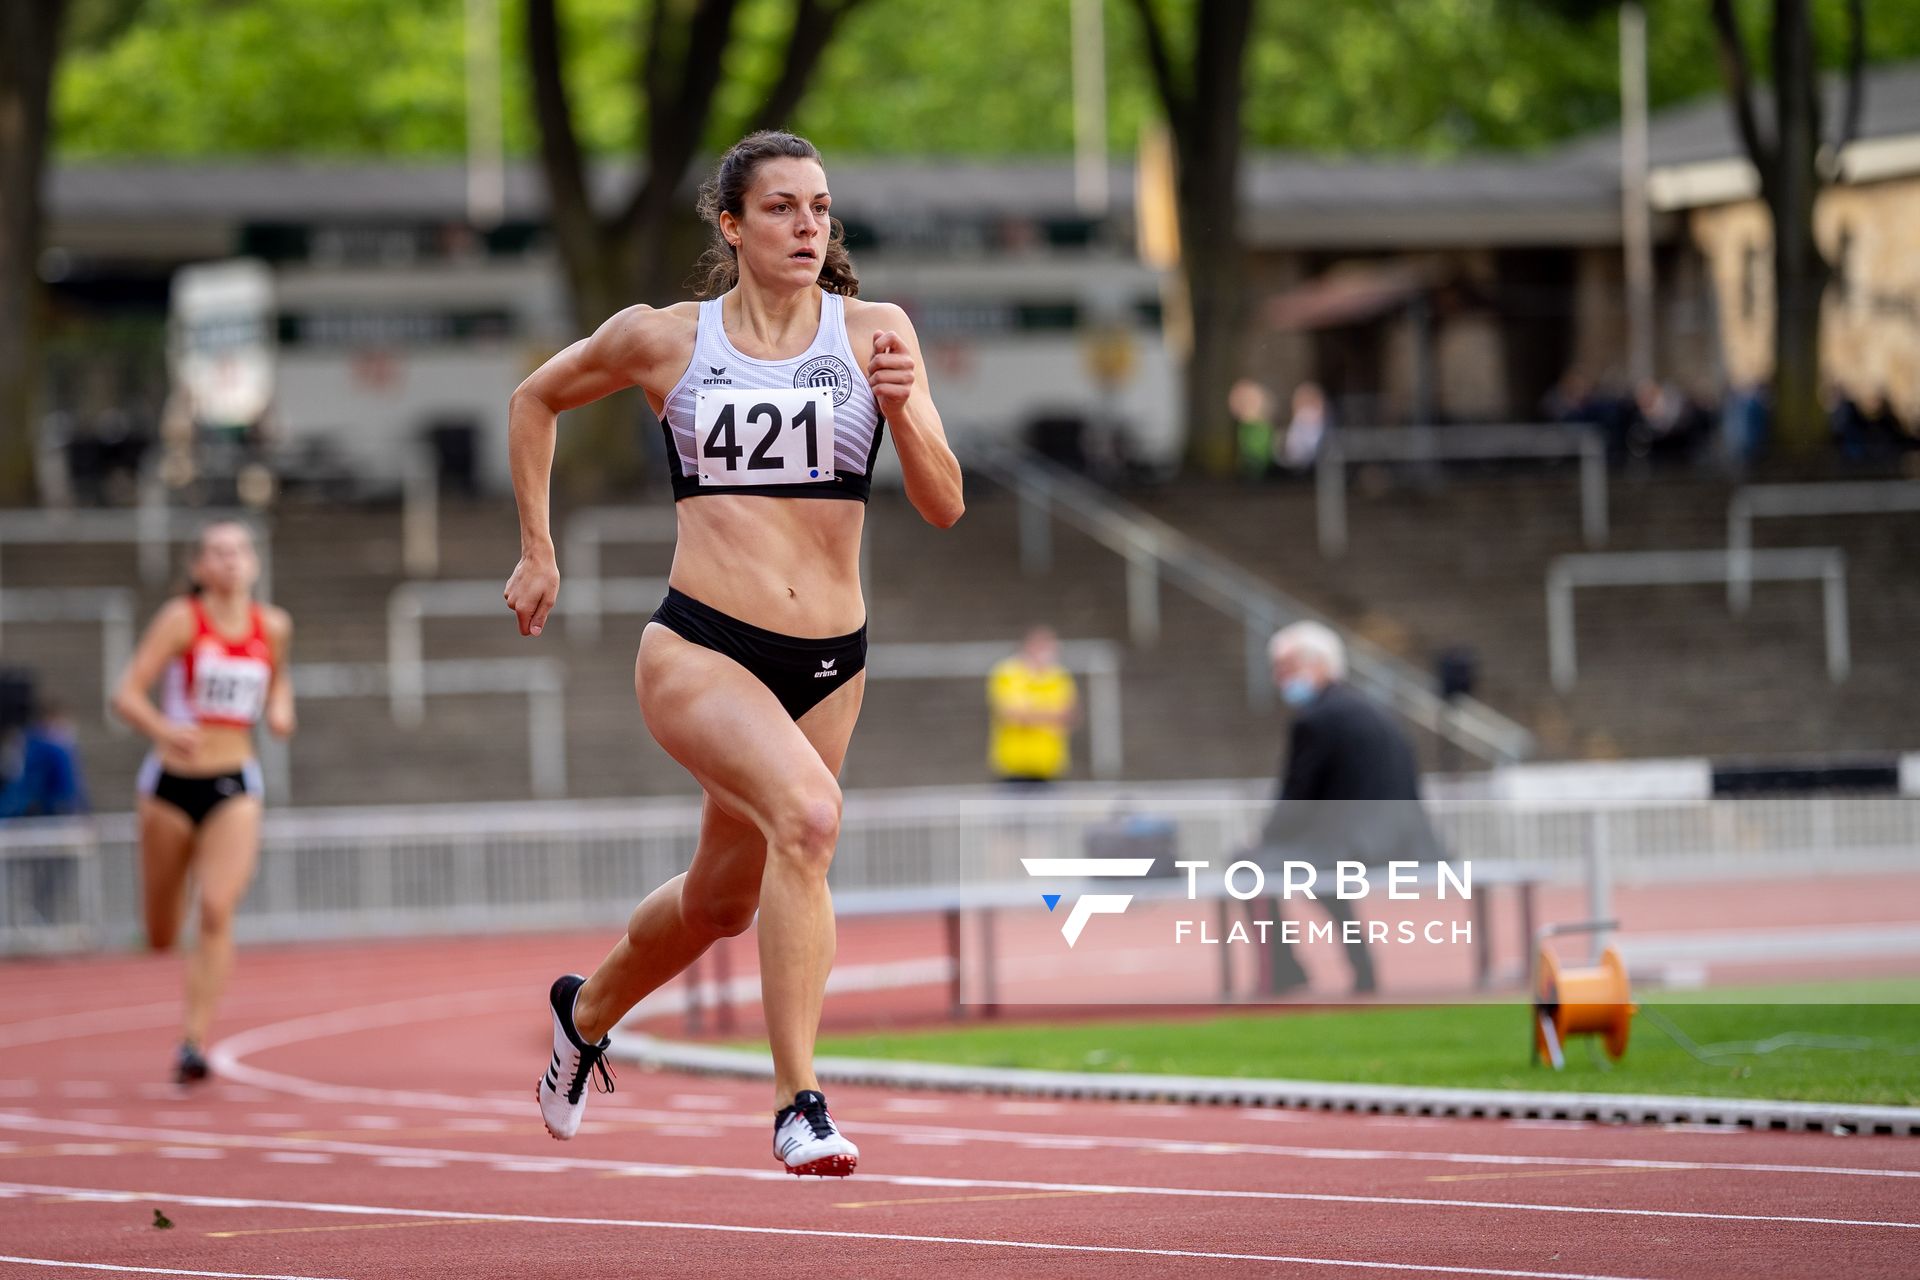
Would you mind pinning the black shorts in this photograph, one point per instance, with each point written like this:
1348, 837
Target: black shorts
198, 797
800, 672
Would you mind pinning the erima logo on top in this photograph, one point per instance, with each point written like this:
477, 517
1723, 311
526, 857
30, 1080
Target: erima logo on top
717, 376
1087, 905
826, 671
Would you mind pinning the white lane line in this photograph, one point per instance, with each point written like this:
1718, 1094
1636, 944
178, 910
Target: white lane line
640, 1169
181, 1117
66, 1026
296, 1157
145, 1271
1027, 1108
1042, 1246
917, 1105
371, 1122
19, 1088
477, 1124
702, 1102
84, 1089
190, 1153
227, 1058
86, 1149
409, 1162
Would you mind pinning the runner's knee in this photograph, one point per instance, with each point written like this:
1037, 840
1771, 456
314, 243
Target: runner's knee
806, 826
719, 917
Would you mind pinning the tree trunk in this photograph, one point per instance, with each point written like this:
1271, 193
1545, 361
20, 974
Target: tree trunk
29, 43
1800, 272
1216, 290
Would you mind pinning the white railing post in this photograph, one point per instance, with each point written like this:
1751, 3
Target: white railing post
116, 650
1036, 530
1259, 634
1104, 733
1560, 650
547, 735
406, 676
1330, 497
1740, 552
1593, 491
1833, 593
420, 514
1599, 875
1143, 592
580, 576
152, 528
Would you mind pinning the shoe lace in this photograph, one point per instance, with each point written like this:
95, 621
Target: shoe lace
593, 1062
815, 1114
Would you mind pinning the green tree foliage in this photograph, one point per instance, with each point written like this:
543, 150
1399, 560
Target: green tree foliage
923, 77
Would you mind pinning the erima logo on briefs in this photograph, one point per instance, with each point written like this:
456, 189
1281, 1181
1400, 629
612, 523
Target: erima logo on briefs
826, 671
1087, 905
719, 375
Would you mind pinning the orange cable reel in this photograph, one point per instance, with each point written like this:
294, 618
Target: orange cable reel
1571, 1002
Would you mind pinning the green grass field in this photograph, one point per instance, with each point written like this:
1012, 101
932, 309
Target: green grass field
1811, 1043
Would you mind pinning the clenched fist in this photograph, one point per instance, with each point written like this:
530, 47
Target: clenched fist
890, 372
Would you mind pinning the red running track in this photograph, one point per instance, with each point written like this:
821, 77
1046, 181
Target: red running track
376, 1120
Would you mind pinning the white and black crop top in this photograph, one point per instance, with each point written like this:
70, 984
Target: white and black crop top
807, 427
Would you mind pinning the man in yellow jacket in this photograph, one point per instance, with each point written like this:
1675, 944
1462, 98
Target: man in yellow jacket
1033, 705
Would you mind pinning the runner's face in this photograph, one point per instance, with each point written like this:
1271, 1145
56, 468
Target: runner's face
783, 227
226, 562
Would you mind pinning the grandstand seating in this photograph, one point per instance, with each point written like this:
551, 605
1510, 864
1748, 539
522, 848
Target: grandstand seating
1663, 670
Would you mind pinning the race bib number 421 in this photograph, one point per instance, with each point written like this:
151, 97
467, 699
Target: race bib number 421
764, 437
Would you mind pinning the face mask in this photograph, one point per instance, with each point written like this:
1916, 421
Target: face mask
1298, 691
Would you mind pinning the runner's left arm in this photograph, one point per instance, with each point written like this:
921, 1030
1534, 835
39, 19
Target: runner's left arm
894, 371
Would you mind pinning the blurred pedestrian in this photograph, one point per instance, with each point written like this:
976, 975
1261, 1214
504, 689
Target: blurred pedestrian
221, 658
1342, 748
1033, 704
50, 782
1307, 428
1252, 408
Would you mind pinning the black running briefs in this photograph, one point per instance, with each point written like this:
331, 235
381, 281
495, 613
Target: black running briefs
801, 672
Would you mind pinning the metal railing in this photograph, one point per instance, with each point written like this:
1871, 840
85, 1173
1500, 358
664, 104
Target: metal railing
584, 591
541, 680
1435, 444
445, 868
152, 528
411, 603
1154, 550
1826, 565
110, 607
1754, 501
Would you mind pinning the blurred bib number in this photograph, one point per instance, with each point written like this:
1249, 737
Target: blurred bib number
765, 436
229, 688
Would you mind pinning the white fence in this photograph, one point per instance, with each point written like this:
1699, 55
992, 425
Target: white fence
110, 607
1463, 443
153, 529
420, 869
1824, 565
1857, 498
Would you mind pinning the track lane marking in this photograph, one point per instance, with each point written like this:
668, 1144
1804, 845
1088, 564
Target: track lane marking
1530, 1173
1012, 1195
235, 1202
641, 1169
145, 1271
346, 1226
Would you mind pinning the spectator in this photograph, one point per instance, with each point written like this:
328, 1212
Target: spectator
1342, 748
1307, 428
49, 783
1252, 408
1033, 705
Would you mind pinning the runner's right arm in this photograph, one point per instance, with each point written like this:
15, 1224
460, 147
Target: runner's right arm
617, 355
167, 637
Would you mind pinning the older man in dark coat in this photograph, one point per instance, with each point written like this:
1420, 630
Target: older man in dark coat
1349, 789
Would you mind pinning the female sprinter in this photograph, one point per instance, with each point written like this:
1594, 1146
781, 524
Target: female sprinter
773, 394
225, 661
